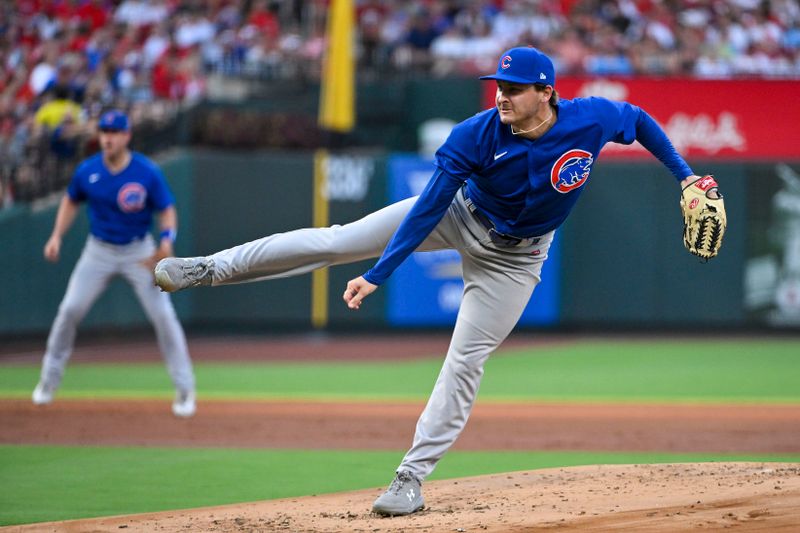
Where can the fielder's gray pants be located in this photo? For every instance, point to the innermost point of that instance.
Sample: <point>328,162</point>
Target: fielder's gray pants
<point>498,283</point>
<point>99,262</point>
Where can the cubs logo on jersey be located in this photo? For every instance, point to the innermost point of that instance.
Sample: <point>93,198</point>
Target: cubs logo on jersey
<point>571,170</point>
<point>131,197</point>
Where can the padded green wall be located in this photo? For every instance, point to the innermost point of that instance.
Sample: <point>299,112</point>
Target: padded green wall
<point>623,261</point>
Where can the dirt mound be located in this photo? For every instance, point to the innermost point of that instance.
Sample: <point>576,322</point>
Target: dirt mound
<point>653,498</point>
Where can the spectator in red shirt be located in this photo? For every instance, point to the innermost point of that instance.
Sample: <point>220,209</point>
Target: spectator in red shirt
<point>264,19</point>
<point>77,37</point>
<point>94,12</point>
<point>63,10</point>
<point>166,80</point>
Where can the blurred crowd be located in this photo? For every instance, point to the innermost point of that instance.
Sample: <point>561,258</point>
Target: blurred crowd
<point>695,38</point>
<point>63,61</point>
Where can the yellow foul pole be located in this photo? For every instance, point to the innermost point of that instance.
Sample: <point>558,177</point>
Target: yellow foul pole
<point>337,96</point>
<point>319,278</point>
<point>337,114</point>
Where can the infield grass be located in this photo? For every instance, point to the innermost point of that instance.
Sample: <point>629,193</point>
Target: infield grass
<point>741,371</point>
<point>47,483</point>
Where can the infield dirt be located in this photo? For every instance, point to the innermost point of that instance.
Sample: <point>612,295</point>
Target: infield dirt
<point>657,498</point>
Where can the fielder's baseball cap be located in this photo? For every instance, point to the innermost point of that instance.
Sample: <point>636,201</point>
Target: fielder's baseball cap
<point>524,65</point>
<point>113,120</point>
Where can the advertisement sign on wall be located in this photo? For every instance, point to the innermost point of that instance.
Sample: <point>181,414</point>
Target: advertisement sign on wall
<point>703,118</point>
<point>426,289</point>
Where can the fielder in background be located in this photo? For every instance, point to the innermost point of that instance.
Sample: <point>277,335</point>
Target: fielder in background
<point>505,180</point>
<point>123,189</point>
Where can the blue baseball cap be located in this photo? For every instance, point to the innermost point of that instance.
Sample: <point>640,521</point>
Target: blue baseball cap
<point>524,65</point>
<point>114,120</point>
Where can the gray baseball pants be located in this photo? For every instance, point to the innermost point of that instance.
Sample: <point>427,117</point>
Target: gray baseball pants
<point>99,263</point>
<point>498,283</point>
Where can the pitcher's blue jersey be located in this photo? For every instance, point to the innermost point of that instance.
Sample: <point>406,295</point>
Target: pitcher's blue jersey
<point>526,187</point>
<point>120,206</point>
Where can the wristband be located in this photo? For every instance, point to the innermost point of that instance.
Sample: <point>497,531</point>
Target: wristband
<point>170,234</point>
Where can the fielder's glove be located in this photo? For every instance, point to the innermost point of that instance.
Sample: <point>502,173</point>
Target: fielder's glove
<point>704,219</point>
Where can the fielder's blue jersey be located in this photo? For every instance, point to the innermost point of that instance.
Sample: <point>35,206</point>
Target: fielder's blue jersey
<point>527,188</point>
<point>120,206</point>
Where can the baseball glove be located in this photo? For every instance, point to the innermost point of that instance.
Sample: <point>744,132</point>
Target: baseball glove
<point>704,219</point>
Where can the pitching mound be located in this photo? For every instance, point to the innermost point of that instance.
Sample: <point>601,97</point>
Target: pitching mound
<point>670,497</point>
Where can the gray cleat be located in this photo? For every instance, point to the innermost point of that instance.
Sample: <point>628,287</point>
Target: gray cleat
<point>184,405</point>
<point>176,273</point>
<point>404,496</point>
<point>43,393</point>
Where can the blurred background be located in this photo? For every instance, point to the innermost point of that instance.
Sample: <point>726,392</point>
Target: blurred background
<point>270,115</point>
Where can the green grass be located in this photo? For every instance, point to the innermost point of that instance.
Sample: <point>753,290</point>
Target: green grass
<point>39,484</point>
<point>639,371</point>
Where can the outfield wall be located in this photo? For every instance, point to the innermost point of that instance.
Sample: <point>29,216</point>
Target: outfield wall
<point>620,261</point>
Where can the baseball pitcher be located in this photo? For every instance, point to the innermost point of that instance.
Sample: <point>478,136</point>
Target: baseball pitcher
<point>505,180</point>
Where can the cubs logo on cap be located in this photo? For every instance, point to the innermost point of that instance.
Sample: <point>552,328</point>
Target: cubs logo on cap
<point>113,120</point>
<point>524,65</point>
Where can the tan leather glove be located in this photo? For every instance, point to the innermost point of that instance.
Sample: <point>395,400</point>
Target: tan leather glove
<point>704,218</point>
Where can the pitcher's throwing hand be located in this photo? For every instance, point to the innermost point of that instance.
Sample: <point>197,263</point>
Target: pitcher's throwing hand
<point>357,290</point>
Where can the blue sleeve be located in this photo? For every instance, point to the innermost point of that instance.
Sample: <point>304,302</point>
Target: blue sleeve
<point>75,189</point>
<point>459,155</point>
<point>652,137</point>
<point>160,194</point>
<point>426,213</point>
<point>624,123</point>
